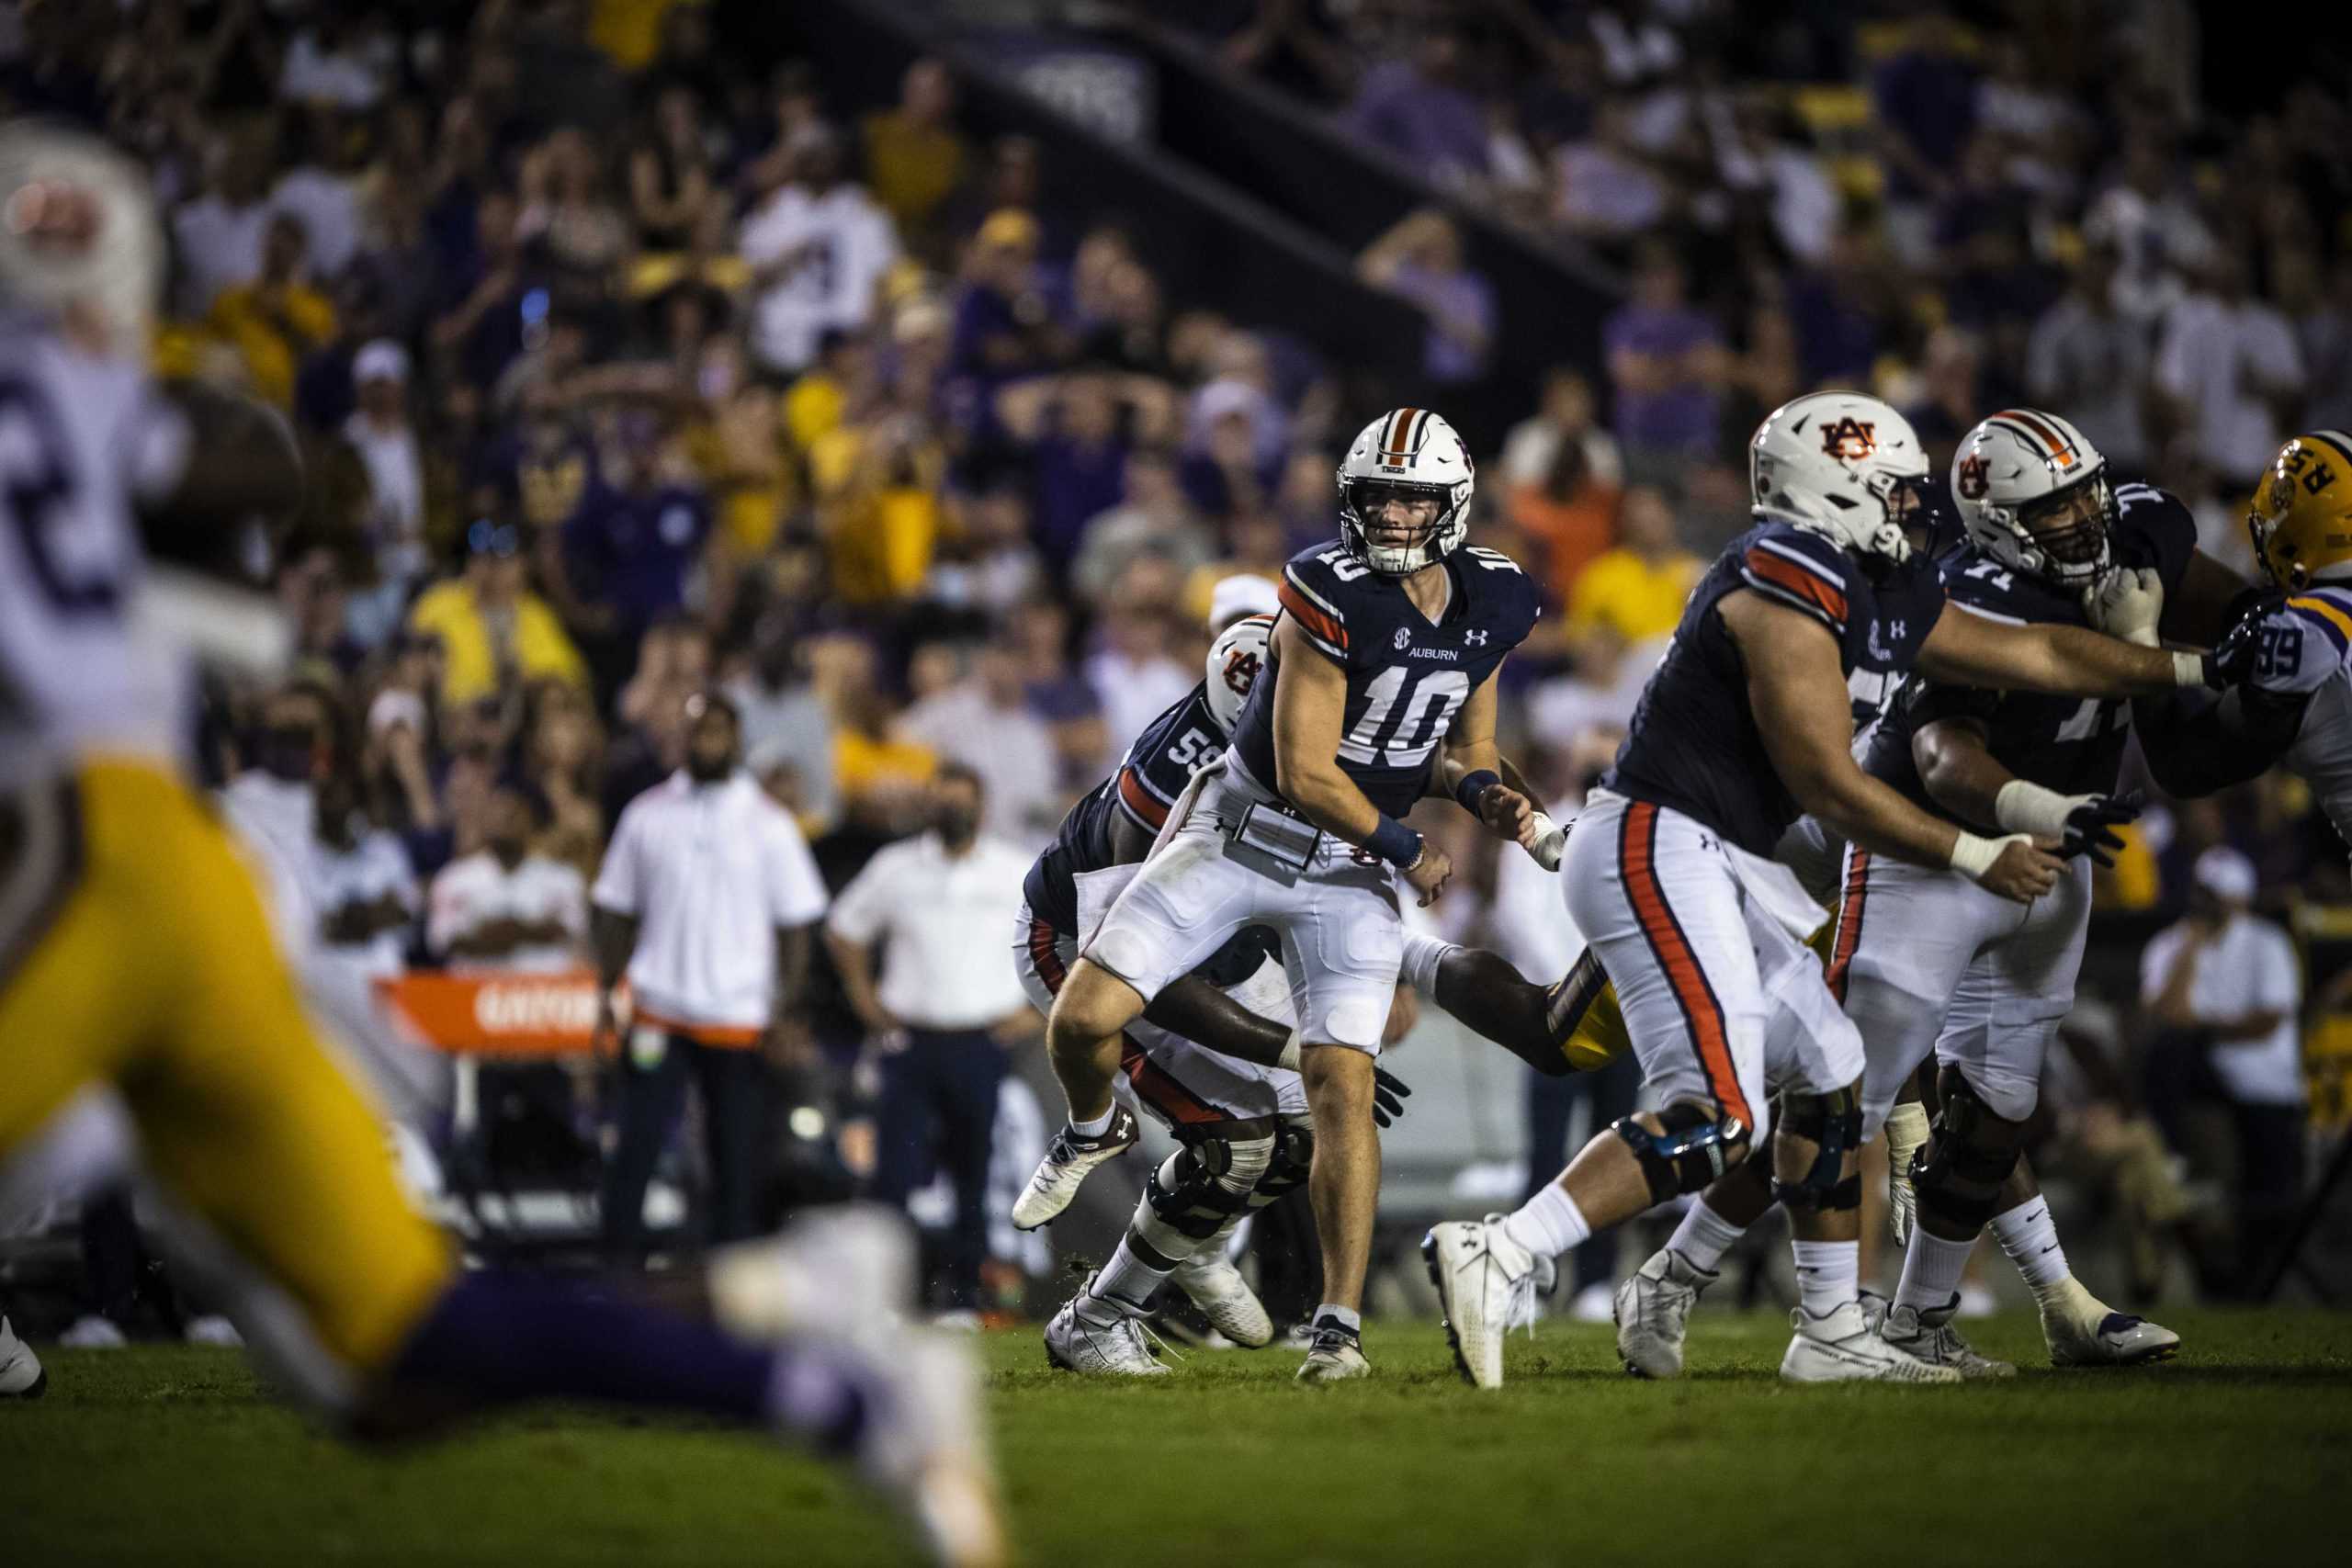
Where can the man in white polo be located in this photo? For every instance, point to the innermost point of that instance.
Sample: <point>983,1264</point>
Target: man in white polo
<point>705,898</point>
<point>947,1005</point>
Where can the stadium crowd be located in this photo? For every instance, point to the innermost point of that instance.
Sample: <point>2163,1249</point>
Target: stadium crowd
<point>628,368</point>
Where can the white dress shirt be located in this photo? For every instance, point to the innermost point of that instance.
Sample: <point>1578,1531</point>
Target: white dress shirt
<point>850,244</point>
<point>710,872</point>
<point>2250,967</point>
<point>940,920</point>
<point>471,892</point>
<point>377,863</point>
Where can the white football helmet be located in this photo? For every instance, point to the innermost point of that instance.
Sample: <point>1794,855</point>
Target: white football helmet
<point>78,226</point>
<point>2019,468</point>
<point>1834,463</point>
<point>1415,452</point>
<point>1233,663</point>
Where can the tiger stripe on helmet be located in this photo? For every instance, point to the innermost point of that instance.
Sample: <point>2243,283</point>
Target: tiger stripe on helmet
<point>1398,446</point>
<point>2337,439</point>
<point>2061,447</point>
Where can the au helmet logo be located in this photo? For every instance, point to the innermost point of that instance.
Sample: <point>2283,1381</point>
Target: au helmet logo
<point>1851,439</point>
<point>1969,479</point>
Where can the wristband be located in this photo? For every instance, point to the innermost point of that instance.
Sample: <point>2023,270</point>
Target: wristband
<point>1291,1048</point>
<point>1972,856</point>
<point>1393,843</point>
<point>2023,807</point>
<point>2188,670</point>
<point>1551,842</point>
<point>1473,786</point>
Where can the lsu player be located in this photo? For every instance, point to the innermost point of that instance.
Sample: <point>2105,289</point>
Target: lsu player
<point>1746,724</point>
<point>134,951</point>
<point>1925,961</point>
<point>1380,666</point>
<point>1215,1057</point>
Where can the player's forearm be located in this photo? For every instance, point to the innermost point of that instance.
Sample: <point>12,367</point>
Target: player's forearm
<point>1199,1011</point>
<point>2077,661</point>
<point>1872,816</point>
<point>614,936</point>
<point>1329,799</point>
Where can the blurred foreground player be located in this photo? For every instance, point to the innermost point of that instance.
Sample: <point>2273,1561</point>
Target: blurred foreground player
<point>134,951</point>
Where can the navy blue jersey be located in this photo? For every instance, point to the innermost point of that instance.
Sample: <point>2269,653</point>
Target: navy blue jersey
<point>1694,744</point>
<point>1155,772</point>
<point>1407,675</point>
<point>2072,745</point>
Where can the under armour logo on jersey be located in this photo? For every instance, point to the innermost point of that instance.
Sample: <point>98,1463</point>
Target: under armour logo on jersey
<point>1404,636</point>
<point>1476,639</point>
<point>1850,439</point>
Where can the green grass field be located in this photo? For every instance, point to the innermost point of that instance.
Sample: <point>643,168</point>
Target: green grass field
<point>2233,1453</point>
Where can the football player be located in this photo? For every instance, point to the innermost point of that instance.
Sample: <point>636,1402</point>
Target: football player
<point>1746,724</point>
<point>134,951</point>
<point>1385,651</point>
<point>1925,961</point>
<point>1215,1057</point>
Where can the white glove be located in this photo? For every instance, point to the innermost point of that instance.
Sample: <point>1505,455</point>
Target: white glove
<point>1907,1131</point>
<point>1548,841</point>
<point>2127,603</point>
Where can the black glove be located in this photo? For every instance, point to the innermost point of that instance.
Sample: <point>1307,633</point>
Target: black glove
<point>2233,662</point>
<point>2090,828</point>
<point>1388,1096</point>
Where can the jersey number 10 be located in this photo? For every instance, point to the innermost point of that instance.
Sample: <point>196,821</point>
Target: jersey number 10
<point>1421,717</point>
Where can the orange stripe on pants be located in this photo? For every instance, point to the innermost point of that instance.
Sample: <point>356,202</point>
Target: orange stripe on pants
<point>1850,921</point>
<point>1637,851</point>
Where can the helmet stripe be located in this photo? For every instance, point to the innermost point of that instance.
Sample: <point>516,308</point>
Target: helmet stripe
<point>1393,446</point>
<point>2058,445</point>
<point>2335,438</point>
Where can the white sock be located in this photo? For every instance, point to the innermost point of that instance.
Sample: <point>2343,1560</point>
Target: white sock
<point>1829,1274</point>
<point>1549,1224</point>
<point>1423,955</point>
<point>1347,1317</point>
<point>1123,1288</point>
<point>1931,1270</point>
<point>2030,1239</point>
<point>1094,1126</point>
<point>1703,1236</point>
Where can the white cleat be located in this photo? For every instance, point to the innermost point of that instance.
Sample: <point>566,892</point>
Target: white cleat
<point>1216,1287</point>
<point>1929,1337</point>
<point>926,1449</point>
<point>1487,1283</point>
<point>20,1374</point>
<point>1069,1159</point>
<point>91,1332</point>
<point>1335,1355</point>
<point>212,1329</point>
<point>2113,1340</point>
<point>848,1271</point>
<point>1653,1310</point>
<point>1094,1348</point>
<point>1842,1348</point>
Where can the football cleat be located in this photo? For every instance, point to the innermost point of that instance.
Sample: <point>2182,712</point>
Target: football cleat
<point>923,1446</point>
<point>1069,1159</point>
<point>848,1271</point>
<point>20,1371</point>
<point>1216,1287</point>
<point>1653,1309</point>
<point>91,1332</point>
<point>2115,1340</point>
<point>1929,1337</point>
<point>1842,1348</point>
<point>1096,1349</point>
<point>1335,1355</point>
<point>1487,1283</point>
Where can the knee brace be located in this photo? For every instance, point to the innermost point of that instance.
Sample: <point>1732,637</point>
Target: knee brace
<point>1692,1151</point>
<point>1832,1121</point>
<point>1293,1157</point>
<point>1200,1186</point>
<point>1957,1176</point>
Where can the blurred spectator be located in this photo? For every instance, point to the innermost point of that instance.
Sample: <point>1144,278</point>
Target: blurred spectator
<point>218,235</point>
<point>640,530</point>
<point>883,777</point>
<point>1925,98</point>
<point>1607,191</point>
<point>914,156</point>
<point>505,908</point>
<point>669,173</point>
<point>2321,308</point>
<point>817,246</point>
<point>1566,415</point>
<point>1132,673</point>
<point>1006,325</point>
<point>946,1006</point>
<point>2089,360</point>
<point>2154,229</point>
<point>368,900</point>
<point>2224,990</point>
<point>570,212</point>
<point>379,430</point>
<point>1421,260</point>
<point>277,319</point>
<point>323,189</point>
<point>1635,590</point>
<point>340,59</point>
<point>1665,360</point>
<point>1839,312</point>
<point>997,565</point>
<point>786,726</point>
<point>491,627</point>
<point>1570,512</point>
<point>983,723</point>
<point>2230,363</point>
<point>1420,109</point>
<point>1155,517</point>
<point>1078,429</point>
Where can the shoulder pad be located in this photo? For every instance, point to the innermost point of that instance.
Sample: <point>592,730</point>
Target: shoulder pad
<point>2306,640</point>
<point>1800,571</point>
<point>1315,591</point>
<point>1235,659</point>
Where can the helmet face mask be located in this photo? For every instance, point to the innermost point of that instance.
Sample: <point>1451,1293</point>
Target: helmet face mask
<point>1414,456</point>
<point>2033,494</point>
